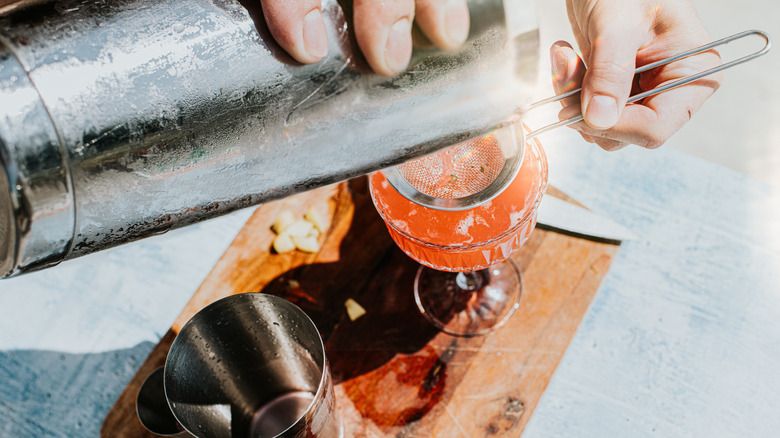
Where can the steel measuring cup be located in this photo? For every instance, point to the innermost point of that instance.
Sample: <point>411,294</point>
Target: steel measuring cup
<point>249,365</point>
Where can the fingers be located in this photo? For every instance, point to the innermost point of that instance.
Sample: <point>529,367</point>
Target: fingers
<point>298,27</point>
<point>444,22</point>
<point>383,30</point>
<point>654,121</point>
<point>607,83</point>
<point>568,71</point>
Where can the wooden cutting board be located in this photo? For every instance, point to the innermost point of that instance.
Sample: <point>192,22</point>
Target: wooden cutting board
<point>395,375</point>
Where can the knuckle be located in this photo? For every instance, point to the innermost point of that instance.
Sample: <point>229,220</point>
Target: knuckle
<point>653,141</point>
<point>610,72</point>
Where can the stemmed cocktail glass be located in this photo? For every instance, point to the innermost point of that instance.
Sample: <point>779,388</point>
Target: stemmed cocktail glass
<point>467,285</point>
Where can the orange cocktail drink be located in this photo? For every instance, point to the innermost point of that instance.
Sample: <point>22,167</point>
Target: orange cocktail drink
<point>466,240</point>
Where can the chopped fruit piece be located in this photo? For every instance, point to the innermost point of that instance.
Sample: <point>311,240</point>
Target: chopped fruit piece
<point>306,243</point>
<point>316,217</point>
<point>283,243</point>
<point>284,220</point>
<point>298,233</point>
<point>354,310</point>
<point>299,228</point>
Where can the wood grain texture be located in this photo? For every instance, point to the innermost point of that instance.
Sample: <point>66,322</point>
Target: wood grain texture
<point>395,375</point>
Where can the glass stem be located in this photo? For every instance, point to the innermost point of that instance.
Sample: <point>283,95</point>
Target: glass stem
<point>469,281</point>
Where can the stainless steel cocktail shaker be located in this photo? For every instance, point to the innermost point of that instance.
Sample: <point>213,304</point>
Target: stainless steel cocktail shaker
<point>124,119</point>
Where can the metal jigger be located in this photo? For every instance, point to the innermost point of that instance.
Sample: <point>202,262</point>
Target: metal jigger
<point>249,365</point>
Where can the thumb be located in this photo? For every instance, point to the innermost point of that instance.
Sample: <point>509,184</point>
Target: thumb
<point>609,78</point>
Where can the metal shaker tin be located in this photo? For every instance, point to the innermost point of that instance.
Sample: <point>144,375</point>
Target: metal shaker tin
<point>122,120</point>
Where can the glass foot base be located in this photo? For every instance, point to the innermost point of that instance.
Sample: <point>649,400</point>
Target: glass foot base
<point>471,303</point>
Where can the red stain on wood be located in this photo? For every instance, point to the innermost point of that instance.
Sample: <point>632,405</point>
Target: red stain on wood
<point>413,384</point>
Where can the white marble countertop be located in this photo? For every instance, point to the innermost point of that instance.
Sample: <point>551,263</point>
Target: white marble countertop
<point>683,338</point>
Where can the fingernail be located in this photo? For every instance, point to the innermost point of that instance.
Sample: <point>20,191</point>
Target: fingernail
<point>560,66</point>
<point>456,21</point>
<point>398,49</point>
<point>315,37</point>
<point>601,112</point>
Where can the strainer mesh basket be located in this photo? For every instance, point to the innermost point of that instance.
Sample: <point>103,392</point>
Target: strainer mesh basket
<point>458,171</point>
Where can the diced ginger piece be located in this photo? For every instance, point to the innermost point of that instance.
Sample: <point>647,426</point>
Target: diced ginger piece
<point>299,228</point>
<point>317,218</point>
<point>285,219</point>
<point>306,243</point>
<point>283,243</point>
<point>354,310</point>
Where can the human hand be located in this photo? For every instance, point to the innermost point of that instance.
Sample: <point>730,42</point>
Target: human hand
<point>615,37</point>
<point>383,29</point>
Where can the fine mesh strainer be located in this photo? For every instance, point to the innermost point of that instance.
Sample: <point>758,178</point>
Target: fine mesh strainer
<point>475,171</point>
<point>465,169</point>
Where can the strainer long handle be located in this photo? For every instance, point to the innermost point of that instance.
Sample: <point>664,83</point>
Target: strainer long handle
<point>666,87</point>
